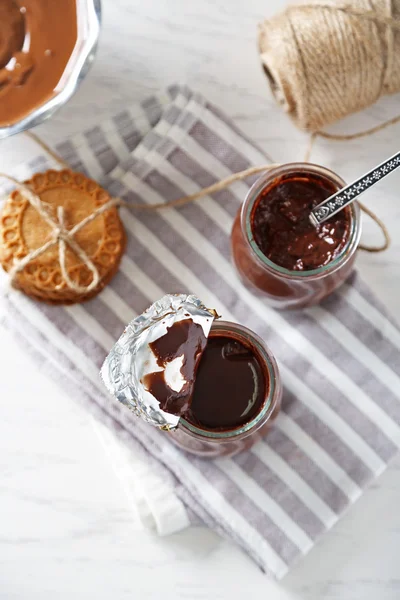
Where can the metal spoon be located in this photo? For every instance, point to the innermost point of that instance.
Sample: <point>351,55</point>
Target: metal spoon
<point>348,194</point>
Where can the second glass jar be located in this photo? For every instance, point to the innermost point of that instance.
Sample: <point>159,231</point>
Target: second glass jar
<point>281,287</point>
<point>211,442</point>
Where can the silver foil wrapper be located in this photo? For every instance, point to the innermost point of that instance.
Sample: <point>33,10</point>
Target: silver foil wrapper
<point>131,357</point>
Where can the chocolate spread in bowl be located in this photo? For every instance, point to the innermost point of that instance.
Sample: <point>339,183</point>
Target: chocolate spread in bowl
<point>37,38</point>
<point>12,31</point>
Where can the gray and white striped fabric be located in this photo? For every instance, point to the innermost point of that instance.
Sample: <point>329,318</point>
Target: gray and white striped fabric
<point>340,361</point>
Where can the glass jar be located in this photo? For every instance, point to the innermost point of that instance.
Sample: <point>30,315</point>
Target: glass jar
<point>281,287</point>
<point>211,443</point>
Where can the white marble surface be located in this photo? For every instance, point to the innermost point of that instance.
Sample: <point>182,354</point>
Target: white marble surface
<point>66,528</point>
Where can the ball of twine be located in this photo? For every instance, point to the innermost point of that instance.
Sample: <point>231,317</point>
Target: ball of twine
<point>326,60</point>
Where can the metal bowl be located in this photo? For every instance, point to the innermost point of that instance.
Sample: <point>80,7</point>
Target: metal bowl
<point>89,20</point>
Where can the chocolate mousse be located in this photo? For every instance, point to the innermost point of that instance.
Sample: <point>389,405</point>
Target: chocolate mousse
<point>37,38</point>
<point>282,229</point>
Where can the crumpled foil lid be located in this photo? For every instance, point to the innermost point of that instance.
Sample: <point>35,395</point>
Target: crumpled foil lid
<point>131,358</point>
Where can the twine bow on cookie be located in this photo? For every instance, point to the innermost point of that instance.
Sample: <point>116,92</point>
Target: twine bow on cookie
<point>61,236</point>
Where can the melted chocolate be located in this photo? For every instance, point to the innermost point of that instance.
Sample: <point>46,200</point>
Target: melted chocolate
<point>184,338</point>
<point>12,31</point>
<point>230,385</point>
<point>37,38</point>
<point>282,229</point>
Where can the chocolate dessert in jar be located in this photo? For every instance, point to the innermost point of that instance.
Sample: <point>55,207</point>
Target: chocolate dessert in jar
<point>236,397</point>
<point>278,253</point>
<point>212,386</point>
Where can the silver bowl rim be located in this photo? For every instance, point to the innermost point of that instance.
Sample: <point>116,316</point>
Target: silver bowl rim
<point>46,110</point>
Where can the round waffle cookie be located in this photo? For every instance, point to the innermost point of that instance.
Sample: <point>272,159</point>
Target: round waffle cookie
<point>23,229</point>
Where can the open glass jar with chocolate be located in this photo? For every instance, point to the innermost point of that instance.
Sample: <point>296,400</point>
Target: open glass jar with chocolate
<point>278,252</point>
<point>212,385</point>
<point>236,396</point>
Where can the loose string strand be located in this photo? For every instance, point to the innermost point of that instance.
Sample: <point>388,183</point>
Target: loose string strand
<point>211,189</point>
<point>216,187</point>
<point>35,138</point>
<point>359,134</point>
<point>381,224</point>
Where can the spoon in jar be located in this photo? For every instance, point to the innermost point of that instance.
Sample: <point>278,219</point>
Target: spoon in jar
<point>348,194</point>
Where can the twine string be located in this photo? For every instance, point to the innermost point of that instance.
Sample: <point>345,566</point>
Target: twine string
<point>211,189</point>
<point>63,237</point>
<point>386,243</point>
<point>368,15</point>
<point>326,60</point>
<point>49,151</point>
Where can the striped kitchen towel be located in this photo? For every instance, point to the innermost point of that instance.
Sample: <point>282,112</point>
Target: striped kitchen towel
<point>340,361</point>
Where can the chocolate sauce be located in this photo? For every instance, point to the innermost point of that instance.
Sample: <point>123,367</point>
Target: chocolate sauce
<point>230,385</point>
<point>183,339</point>
<point>282,229</point>
<point>12,31</point>
<point>37,38</point>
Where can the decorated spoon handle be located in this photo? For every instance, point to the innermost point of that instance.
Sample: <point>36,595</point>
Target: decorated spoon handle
<point>348,194</point>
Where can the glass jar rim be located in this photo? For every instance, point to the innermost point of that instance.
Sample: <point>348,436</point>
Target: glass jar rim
<point>264,355</point>
<point>287,169</point>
